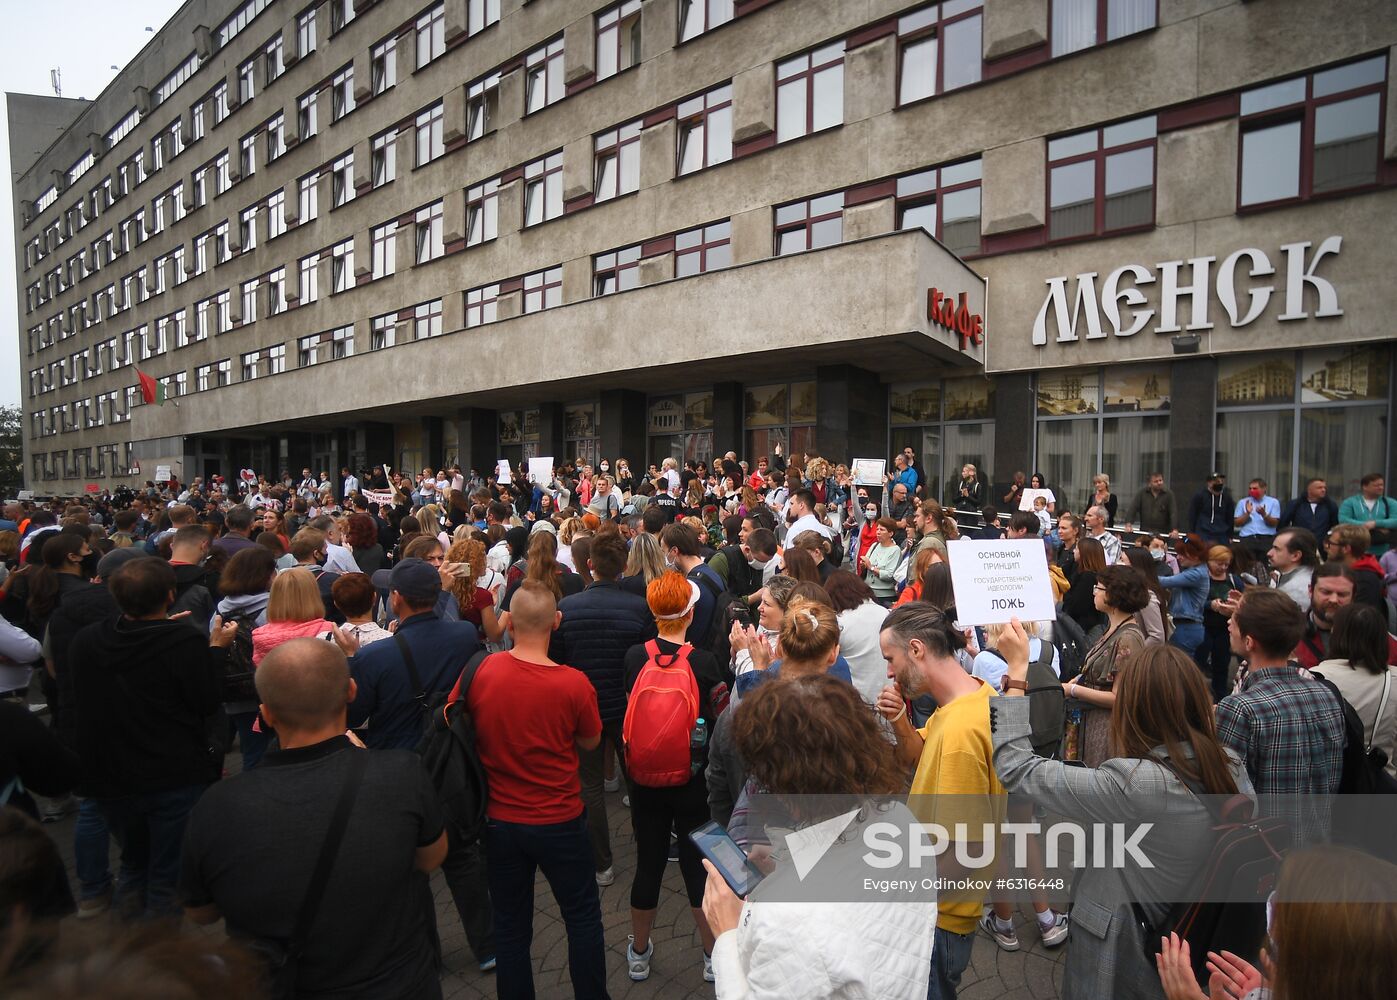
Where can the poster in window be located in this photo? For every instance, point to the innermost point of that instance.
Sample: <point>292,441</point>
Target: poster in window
<point>698,412</point>
<point>1344,374</point>
<point>969,398</point>
<point>580,420</point>
<point>1136,390</point>
<point>803,403</point>
<point>531,425</point>
<point>1068,393</point>
<point>915,403</point>
<point>1256,379</point>
<point>666,415</point>
<point>510,430</point>
<point>765,405</point>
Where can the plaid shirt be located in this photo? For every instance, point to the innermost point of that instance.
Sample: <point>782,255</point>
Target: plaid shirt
<point>1289,730</point>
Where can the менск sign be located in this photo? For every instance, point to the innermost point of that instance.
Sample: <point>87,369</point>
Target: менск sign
<point>1117,298</point>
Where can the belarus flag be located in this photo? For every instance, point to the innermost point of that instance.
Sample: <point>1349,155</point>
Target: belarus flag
<point>151,390</point>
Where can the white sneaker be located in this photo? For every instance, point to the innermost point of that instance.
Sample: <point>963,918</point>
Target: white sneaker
<point>611,784</point>
<point>1055,934</point>
<point>1007,940</point>
<point>638,966</point>
<point>626,801</point>
<point>708,976</point>
<point>606,877</point>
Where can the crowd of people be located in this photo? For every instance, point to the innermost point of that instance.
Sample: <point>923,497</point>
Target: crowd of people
<point>229,681</point>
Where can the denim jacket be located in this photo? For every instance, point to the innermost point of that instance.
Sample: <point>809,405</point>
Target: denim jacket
<point>1190,589</point>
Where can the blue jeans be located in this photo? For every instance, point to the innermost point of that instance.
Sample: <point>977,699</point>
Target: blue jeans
<point>252,745</point>
<point>950,955</point>
<point>92,851</point>
<point>149,827</point>
<point>564,852</point>
<point>1187,636</point>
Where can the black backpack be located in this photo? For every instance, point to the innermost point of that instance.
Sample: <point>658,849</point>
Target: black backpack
<point>1071,644</point>
<point>447,749</point>
<point>237,685</point>
<point>727,607</point>
<point>1226,908</point>
<point>1047,706</point>
<point>1364,773</point>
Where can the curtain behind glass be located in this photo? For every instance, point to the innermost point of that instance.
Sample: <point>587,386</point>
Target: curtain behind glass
<point>1067,458</point>
<point>1132,449</point>
<point>1257,445</point>
<point>973,443</point>
<point>1341,445</point>
<point>1125,17</point>
<point>1074,25</point>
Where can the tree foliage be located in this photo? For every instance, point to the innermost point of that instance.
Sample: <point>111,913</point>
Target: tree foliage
<point>11,451</point>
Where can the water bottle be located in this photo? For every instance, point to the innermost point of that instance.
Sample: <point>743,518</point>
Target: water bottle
<point>698,739</point>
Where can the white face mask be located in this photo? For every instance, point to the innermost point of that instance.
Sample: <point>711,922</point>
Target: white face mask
<point>605,467</point>
<point>1157,555</point>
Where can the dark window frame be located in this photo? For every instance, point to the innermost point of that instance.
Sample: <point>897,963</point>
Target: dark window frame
<point>1099,156</point>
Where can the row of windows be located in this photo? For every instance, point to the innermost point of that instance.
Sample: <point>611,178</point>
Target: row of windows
<point>79,463</point>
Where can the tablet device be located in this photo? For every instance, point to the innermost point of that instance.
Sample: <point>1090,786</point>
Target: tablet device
<point>714,844</point>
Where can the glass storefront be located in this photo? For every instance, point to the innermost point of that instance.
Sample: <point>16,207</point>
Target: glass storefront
<point>947,423</point>
<point>680,426</point>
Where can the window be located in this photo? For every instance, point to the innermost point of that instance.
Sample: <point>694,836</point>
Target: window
<point>383,331</point>
<point>306,116</point>
<point>305,32</point>
<point>221,179</point>
<point>616,271</point>
<point>431,35</point>
<point>342,180</point>
<point>177,258</point>
<point>201,253</point>
<point>384,158</point>
<point>203,378</point>
<point>223,303</point>
<point>201,187</point>
<point>543,189</point>
<point>310,279</point>
<point>426,320</point>
<point>939,49</point>
<point>706,248</point>
<point>482,106</point>
<point>249,364</point>
<point>177,211</point>
<point>342,93</point>
<point>698,16</point>
<point>1101,180</point>
<point>429,233</point>
<point>543,83</point>
<point>945,202</point>
<point>383,65</point>
<point>481,14</point>
<point>220,243</point>
<point>705,130</point>
<point>430,144</point>
<point>276,214</point>
<point>482,212</point>
<point>1080,24</point>
<point>384,241</point>
<point>276,137</point>
<point>307,350</point>
<point>276,359</point>
<point>166,88</point>
<point>811,224</point>
<point>220,103</point>
<point>341,13</point>
<point>241,18</point>
<point>157,217</point>
<point>617,161</point>
<point>309,199</point>
<point>342,267</point>
<point>810,92</point>
<point>276,292</point>
<point>276,65</point>
<point>341,342</point>
<point>247,228</point>
<point>120,131</point>
<point>196,121</point>
<point>249,302</point>
<point>247,81</point>
<point>543,290</point>
<point>1313,134</point>
<point>618,39</point>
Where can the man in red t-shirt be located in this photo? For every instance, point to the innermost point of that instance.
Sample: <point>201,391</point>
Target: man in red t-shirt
<point>531,716</point>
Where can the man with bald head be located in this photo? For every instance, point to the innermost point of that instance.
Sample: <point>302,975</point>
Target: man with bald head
<point>254,840</point>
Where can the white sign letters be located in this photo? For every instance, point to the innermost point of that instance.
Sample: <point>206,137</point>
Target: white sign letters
<point>1125,307</point>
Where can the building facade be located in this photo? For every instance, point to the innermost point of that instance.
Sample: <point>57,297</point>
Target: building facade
<point>1058,235</point>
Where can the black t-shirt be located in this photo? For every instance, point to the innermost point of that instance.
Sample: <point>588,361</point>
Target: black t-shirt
<point>252,843</point>
<point>666,503</point>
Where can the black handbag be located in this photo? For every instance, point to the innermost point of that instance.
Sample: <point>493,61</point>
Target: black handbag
<point>281,959</point>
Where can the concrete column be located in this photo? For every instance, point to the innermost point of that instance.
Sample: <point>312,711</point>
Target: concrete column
<point>1015,407</point>
<point>754,103</point>
<point>324,197</point>
<point>853,411</point>
<point>290,52</point>
<point>577,168</point>
<point>456,18</point>
<point>1014,25</point>
<point>453,126</point>
<point>363,254</point>
<point>234,91</point>
<point>363,75</point>
<point>728,402</point>
<point>378,443</point>
<point>657,22</point>
<point>870,79</point>
<point>511,208</point>
<point>363,164</point>
<point>1192,419</point>
<point>432,446</point>
<point>751,235</point>
<point>656,269</point>
<point>870,219</point>
<point>291,117</point>
<point>453,312</point>
<point>551,430</point>
<point>577,279</point>
<point>621,423</point>
<point>453,216</point>
<point>477,431</point>
<point>579,49</point>
<point>292,209</point>
<point>657,153</point>
<point>1014,187</point>
<point>404,249</point>
<point>511,102</point>
<point>405,153</point>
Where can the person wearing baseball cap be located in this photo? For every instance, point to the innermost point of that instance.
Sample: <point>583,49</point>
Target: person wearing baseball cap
<point>1210,511</point>
<point>394,681</point>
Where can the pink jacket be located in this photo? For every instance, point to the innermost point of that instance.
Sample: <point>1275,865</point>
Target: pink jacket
<point>268,637</point>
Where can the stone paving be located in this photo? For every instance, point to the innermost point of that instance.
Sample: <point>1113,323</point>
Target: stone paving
<point>1032,973</point>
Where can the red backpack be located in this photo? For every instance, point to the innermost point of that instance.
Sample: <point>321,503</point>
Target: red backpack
<point>660,719</point>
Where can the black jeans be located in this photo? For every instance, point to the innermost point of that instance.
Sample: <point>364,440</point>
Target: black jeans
<point>654,811</point>
<point>1214,658</point>
<point>465,872</point>
<point>590,770</point>
<point>149,827</point>
<point>516,852</point>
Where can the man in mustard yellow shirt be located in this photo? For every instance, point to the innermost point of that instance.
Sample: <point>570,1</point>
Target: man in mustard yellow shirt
<point>955,775</point>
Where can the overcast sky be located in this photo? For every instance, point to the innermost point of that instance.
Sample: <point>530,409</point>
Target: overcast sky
<point>85,39</point>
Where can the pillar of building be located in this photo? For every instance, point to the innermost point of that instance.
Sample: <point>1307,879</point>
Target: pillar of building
<point>551,439</point>
<point>621,426</point>
<point>852,412</point>
<point>377,444</point>
<point>1192,408</point>
<point>477,434</point>
<point>296,454</point>
<point>432,443</point>
<point>727,419</point>
<point>1014,412</point>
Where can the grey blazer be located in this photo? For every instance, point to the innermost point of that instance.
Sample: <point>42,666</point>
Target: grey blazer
<point>1107,956</point>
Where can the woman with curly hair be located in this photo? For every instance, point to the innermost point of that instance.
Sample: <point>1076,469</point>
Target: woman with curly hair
<point>361,535</point>
<point>477,603</point>
<point>812,744</point>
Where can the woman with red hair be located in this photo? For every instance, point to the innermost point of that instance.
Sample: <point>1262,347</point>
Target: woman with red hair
<point>361,535</point>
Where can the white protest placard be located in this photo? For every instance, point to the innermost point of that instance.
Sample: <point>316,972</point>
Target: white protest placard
<point>1001,579</point>
<point>869,471</point>
<point>1027,497</point>
<point>380,497</point>
<point>541,470</point>
<point>162,473</point>
<point>502,473</point>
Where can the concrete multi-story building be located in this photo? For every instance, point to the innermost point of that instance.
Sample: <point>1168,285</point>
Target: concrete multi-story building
<point>360,232</point>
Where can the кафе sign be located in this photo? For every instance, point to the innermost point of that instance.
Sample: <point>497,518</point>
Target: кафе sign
<point>1126,311</point>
